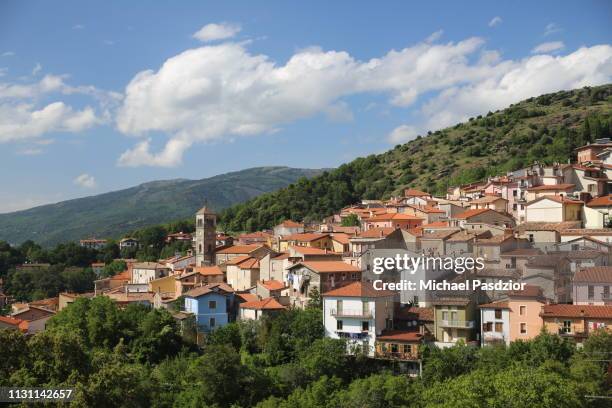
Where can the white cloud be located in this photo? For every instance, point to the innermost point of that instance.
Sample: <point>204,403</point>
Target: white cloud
<point>433,37</point>
<point>85,180</point>
<point>3,71</point>
<point>30,151</point>
<point>37,68</point>
<point>214,32</point>
<point>551,28</point>
<point>513,81</point>
<point>8,54</point>
<point>223,91</point>
<point>495,21</point>
<point>548,47</point>
<point>403,134</point>
<point>78,27</point>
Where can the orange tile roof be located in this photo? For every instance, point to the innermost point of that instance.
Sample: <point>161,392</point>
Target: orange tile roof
<point>487,199</point>
<point>359,289</point>
<point>263,304</point>
<point>603,201</point>
<point>238,259</point>
<point>427,209</point>
<point>305,237</point>
<point>310,250</point>
<point>394,217</point>
<point>471,213</point>
<point>291,224</point>
<point>247,297</point>
<point>208,270</point>
<point>215,287</point>
<point>397,335</point>
<point>409,192</point>
<point>589,311</point>
<point>495,305</point>
<point>340,237</point>
<point>532,291</point>
<point>10,320</point>
<point>376,232</point>
<point>552,187</point>
<point>272,285</point>
<point>436,224</point>
<point>239,249</point>
<point>257,234</point>
<point>329,266</point>
<point>244,262</point>
<point>596,274</point>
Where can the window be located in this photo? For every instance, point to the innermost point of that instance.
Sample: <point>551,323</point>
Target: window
<point>365,308</point>
<point>530,237</point>
<point>444,315</point>
<point>606,292</point>
<point>591,292</point>
<point>212,304</point>
<point>498,313</point>
<point>499,327</point>
<point>394,348</point>
<point>567,326</point>
<point>339,306</point>
<point>522,310</point>
<point>407,349</point>
<point>523,328</point>
<point>212,322</point>
<point>487,327</point>
<point>338,324</point>
<point>365,326</point>
<point>415,301</point>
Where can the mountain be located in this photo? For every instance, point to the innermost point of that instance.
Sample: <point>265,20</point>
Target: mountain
<point>546,128</point>
<point>119,212</point>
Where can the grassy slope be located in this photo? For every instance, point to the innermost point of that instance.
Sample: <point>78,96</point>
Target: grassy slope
<point>118,212</point>
<point>546,128</point>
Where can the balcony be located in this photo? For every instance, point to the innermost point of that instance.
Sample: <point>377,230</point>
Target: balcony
<point>390,355</point>
<point>459,324</point>
<point>355,314</point>
<point>353,336</point>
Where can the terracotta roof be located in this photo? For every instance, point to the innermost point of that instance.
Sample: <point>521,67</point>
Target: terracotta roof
<point>552,187</point>
<point>238,259</point>
<point>239,249</point>
<point>247,297</point>
<point>410,192</point>
<point>427,209</point>
<point>531,291</point>
<point>263,304</point>
<point>208,270</point>
<point>394,217</point>
<point>397,335</point>
<point>545,260</point>
<point>377,232</point>
<point>359,289</point>
<point>596,274</point>
<point>548,226</point>
<point>523,252</point>
<point>257,234</point>
<point>329,266</point>
<point>495,305</point>
<point>588,311</point>
<point>204,210</point>
<point>340,237</point>
<point>215,287</point>
<point>272,285</point>
<point>290,224</point>
<point>603,201</point>
<point>305,237</point>
<point>587,231</point>
<point>425,314</point>
<point>471,213</point>
<point>10,321</point>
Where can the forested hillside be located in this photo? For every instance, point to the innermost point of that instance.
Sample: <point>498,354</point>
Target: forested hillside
<point>545,129</point>
<point>113,214</point>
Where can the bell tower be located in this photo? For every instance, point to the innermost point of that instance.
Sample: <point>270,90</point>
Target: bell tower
<point>205,238</point>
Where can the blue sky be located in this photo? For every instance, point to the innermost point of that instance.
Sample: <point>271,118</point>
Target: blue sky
<point>97,96</point>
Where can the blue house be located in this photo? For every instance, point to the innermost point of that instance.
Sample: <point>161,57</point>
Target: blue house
<point>212,305</point>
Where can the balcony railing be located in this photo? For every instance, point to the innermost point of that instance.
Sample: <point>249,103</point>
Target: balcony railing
<point>390,355</point>
<point>461,324</point>
<point>357,314</point>
<point>353,336</point>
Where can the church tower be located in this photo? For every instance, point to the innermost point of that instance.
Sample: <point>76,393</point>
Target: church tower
<point>205,239</point>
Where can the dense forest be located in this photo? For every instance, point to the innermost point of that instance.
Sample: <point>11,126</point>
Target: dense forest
<point>545,129</point>
<point>137,357</point>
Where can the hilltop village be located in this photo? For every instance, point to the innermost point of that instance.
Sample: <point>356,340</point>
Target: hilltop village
<point>546,226</point>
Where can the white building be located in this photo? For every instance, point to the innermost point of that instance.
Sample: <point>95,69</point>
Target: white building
<point>358,313</point>
<point>145,272</point>
<point>495,318</point>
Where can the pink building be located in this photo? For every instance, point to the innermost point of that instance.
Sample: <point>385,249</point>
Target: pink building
<point>393,220</point>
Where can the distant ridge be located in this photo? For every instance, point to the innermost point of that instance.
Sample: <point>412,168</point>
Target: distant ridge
<point>118,212</point>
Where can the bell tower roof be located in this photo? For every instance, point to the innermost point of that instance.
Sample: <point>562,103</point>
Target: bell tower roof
<point>205,210</point>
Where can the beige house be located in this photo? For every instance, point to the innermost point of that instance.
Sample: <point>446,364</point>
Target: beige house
<point>492,202</point>
<point>235,251</point>
<point>254,310</point>
<point>242,272</point>
<point>553,208</point>
<point>145,272</point>
<point>576,321</point>
<point>591,286</point>
<point>563,190</point>
<point>482,215</point>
